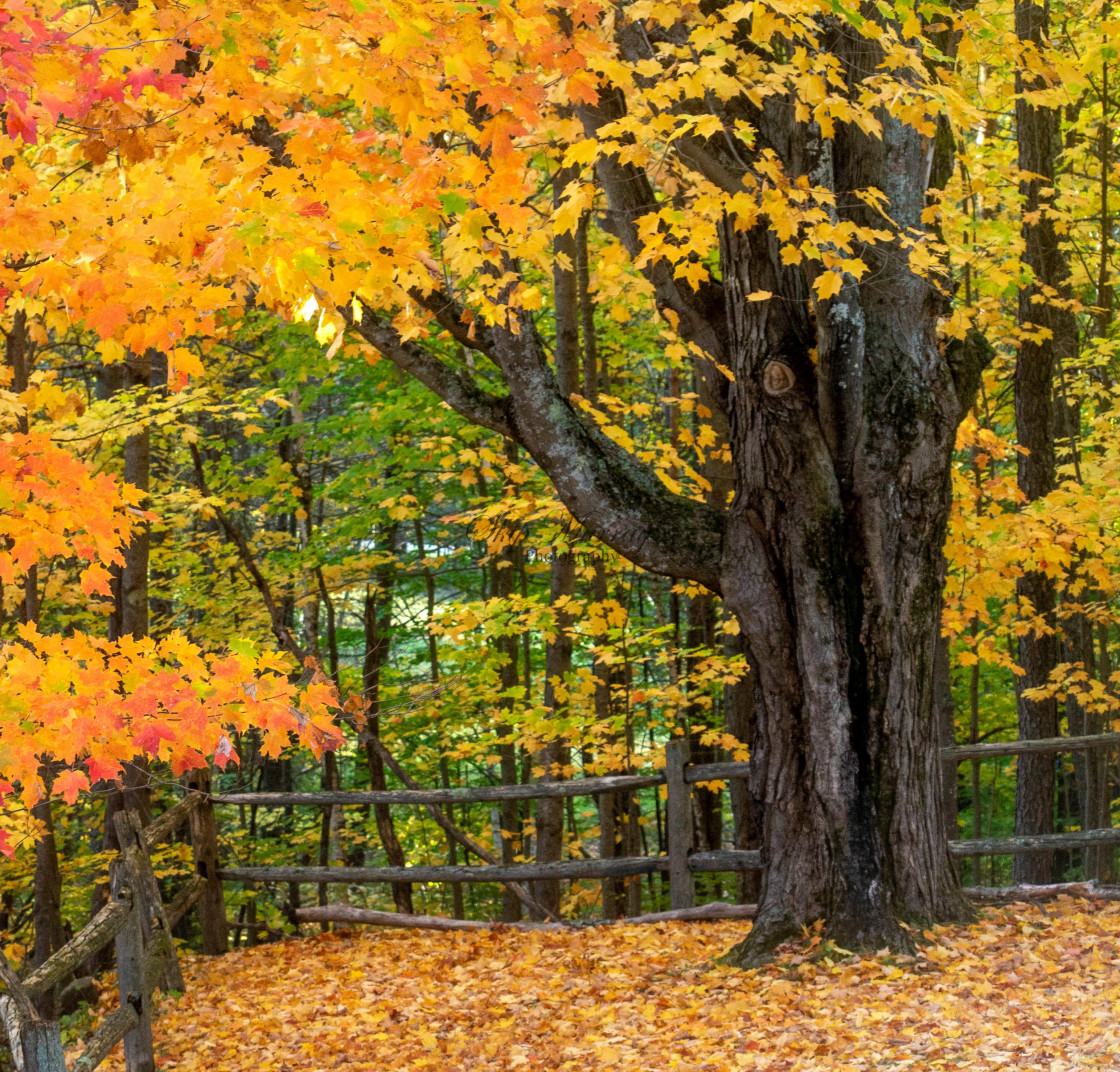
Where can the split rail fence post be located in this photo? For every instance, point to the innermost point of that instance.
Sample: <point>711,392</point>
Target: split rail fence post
<point>148,901</point>
<point>36,1044</point>
<point>204,842</point>
<point>608,849</point>
<point>139,1055</point>
<point>678,824</point>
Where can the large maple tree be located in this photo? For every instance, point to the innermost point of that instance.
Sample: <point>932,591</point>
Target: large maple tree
<point>421,174</point>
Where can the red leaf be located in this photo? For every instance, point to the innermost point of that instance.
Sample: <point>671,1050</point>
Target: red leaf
<point>103,769</point>
<point>166,83</point>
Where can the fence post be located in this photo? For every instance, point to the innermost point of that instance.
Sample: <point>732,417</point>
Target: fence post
<point>204,842</point>
<point>138,1053</point>
<point>608,849</point>
<point>678,824</point>
<point>36,1044</point>
<point>147,899</point>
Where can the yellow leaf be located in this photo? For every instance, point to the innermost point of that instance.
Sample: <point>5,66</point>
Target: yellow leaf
<point>828,284</point>
<point>111,351</point>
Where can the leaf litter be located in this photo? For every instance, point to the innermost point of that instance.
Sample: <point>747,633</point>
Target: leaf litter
<point>1025,988</point>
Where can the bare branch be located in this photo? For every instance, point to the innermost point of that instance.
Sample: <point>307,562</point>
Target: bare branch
<point>234,535</point>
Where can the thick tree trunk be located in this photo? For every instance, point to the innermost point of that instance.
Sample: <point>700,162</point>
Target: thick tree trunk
<point>833,566</point>
<point>841,418</point>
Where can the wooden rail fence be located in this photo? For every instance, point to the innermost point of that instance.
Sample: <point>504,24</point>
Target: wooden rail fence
<point>680,863</point>
<point>140,924</point>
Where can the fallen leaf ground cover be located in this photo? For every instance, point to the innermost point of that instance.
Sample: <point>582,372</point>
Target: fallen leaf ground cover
<point>1025,988</point>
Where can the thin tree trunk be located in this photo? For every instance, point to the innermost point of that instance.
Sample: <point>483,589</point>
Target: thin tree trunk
<point>558,650</point>
<point>457,909</point>
<point>47,889</point>
<point>377,621</point>
<point>47,914</point>
<point>558,666</point>
<point>1038,133</point>
<point>708,815</point>
<point>608,804</point>
<point>503,574</point>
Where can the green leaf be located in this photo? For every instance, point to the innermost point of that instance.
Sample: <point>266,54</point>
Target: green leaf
<point>453,203</point>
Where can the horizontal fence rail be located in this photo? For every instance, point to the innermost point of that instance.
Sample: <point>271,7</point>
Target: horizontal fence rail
<point>1010,846</point>
<point>1013,846</point>
<point>482,794</point>
<point>486,794</point>
<point>715,772</point>
<point>995,749</point>
<point>618,867</point>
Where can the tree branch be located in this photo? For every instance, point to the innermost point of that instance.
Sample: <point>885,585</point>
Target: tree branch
<point>449,315</point>
<point>699,313</point>
<point>608,491</point>
<point>968,358</point>
<point>460,392</point>
<point>614,496</point>
<point>233,534</point>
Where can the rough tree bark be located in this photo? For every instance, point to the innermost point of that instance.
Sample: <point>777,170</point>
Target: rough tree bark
<point>830,553</point>
<point>1040,354</point>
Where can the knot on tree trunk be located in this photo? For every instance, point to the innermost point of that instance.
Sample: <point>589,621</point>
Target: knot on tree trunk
<point>777,378</point>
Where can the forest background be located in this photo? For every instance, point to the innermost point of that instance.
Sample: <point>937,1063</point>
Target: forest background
<point>294,490</point>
